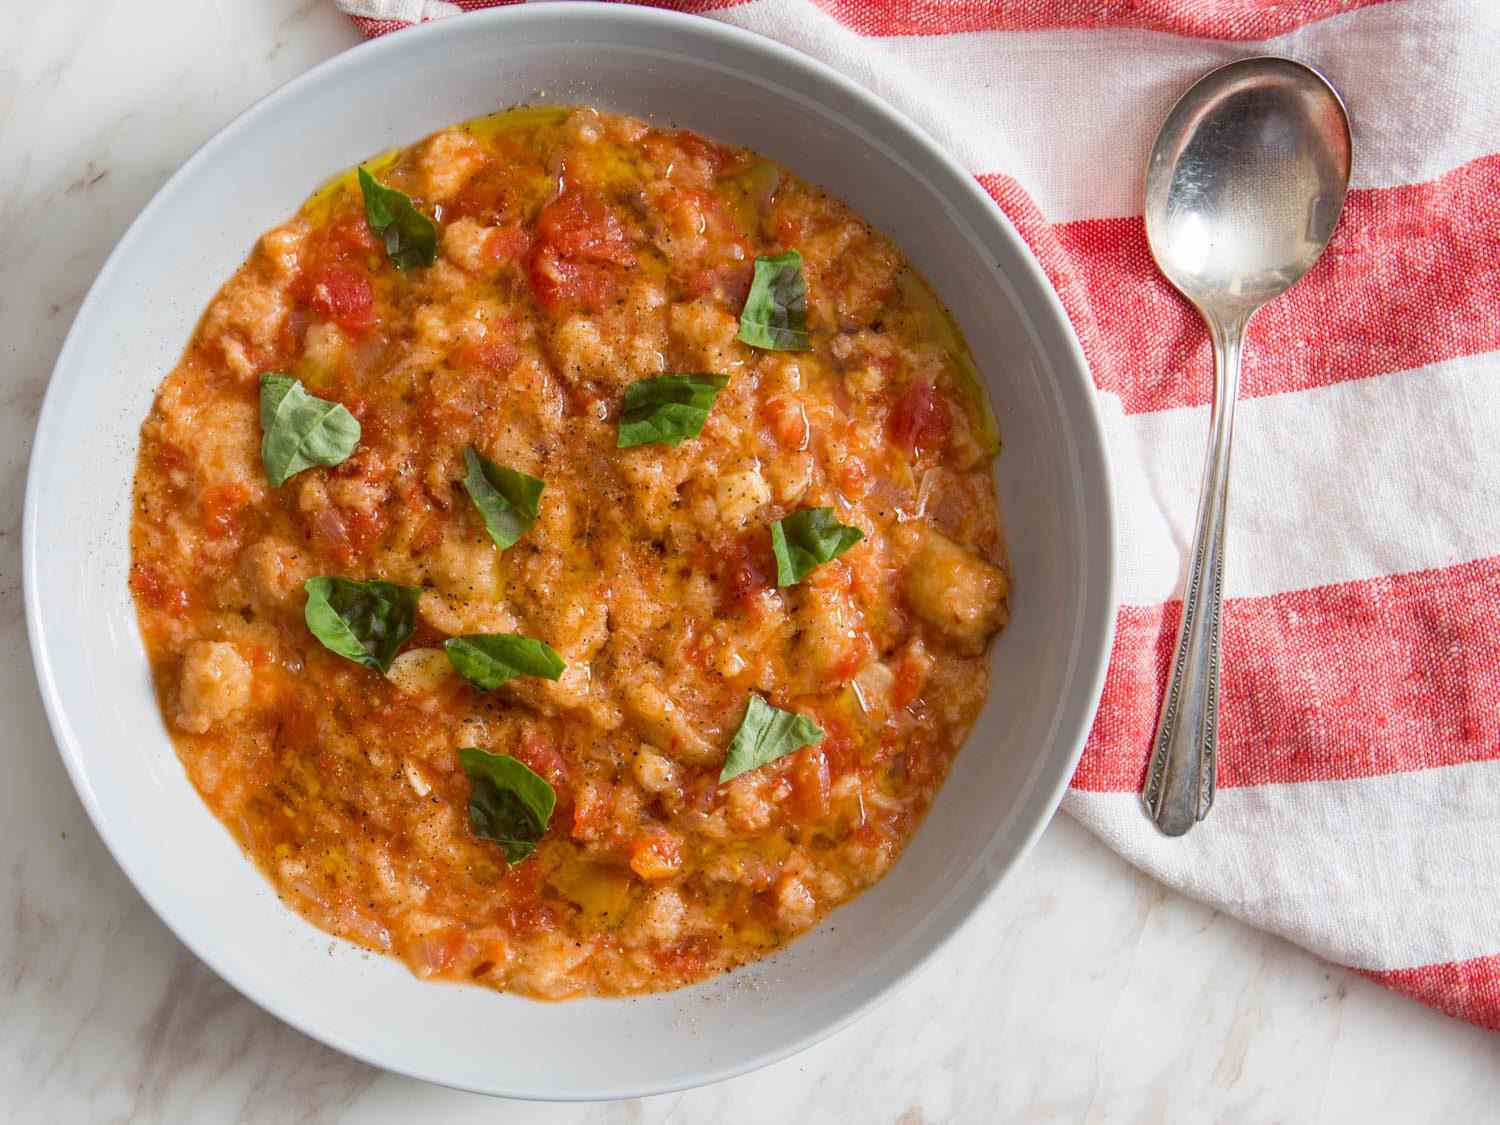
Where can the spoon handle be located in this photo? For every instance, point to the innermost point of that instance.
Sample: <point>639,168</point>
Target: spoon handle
<point>1184,760</point>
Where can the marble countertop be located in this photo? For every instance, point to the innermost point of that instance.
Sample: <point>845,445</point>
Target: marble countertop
<point>1083,992</point>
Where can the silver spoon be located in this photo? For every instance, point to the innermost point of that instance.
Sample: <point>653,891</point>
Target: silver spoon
<point>1243,190</point>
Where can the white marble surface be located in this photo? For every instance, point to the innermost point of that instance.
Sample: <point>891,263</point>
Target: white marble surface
<point>1084,992</point>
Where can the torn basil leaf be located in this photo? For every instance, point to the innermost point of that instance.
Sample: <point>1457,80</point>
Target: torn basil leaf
<point>505,498</point>
<point>767,733</point>
<point>805,540</point>
<point>410,236</point>
<point>365,622</point>
<point>775,312</point>
<point>488,660</point>
<point>299,430</point>
<point>668,408</point>
<point>508,803</point>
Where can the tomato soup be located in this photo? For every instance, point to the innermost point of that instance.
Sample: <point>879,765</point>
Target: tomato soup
<point>567,553</point>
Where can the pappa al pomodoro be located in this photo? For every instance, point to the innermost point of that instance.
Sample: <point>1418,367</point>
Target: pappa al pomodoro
<point>567,553</point>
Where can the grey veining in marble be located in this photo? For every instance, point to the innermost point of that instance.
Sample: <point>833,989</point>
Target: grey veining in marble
<point>1085,993</point>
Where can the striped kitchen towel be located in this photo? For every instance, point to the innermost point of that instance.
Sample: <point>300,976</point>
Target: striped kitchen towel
<point>1358,811</point>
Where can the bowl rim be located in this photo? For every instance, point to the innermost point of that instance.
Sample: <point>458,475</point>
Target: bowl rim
<point>1087,431</point>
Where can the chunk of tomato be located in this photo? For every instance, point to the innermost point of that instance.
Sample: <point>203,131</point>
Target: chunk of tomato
<point>487,195</point>
<point>786,418</point>
<point>746,567</point>
<point>349,236</point>
<point>557,281</point>
<point>506,244</point>
<point>712,156</point>
<point>580,243</point>
<point>344,296</point>
<point>494,354</point>
<point>919,419</point>
<point>656,855</point>
<point>497,355</point>
<point>363,526</point>
<point>580,226</point>
<point>537,753</point>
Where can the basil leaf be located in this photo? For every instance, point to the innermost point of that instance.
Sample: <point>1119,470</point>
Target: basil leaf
<point>668,408</point>
<point>410,236</point>
<point>805,540</point>
<point>508,803</point>
<point>363,621</point>
<point>775,312</point>
<point>300,430</point>
<point>505,498</point>
<point>487,660</point>
<point>765,734</point>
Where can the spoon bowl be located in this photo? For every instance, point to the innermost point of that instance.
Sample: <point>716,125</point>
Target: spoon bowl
<point>1243,191</point>
<point>1246,181</point>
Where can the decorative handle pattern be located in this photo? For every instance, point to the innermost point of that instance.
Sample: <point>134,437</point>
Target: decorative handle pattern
<point>1181,778</point>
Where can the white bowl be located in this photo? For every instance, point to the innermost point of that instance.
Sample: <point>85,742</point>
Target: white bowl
<point>1054,487</point>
